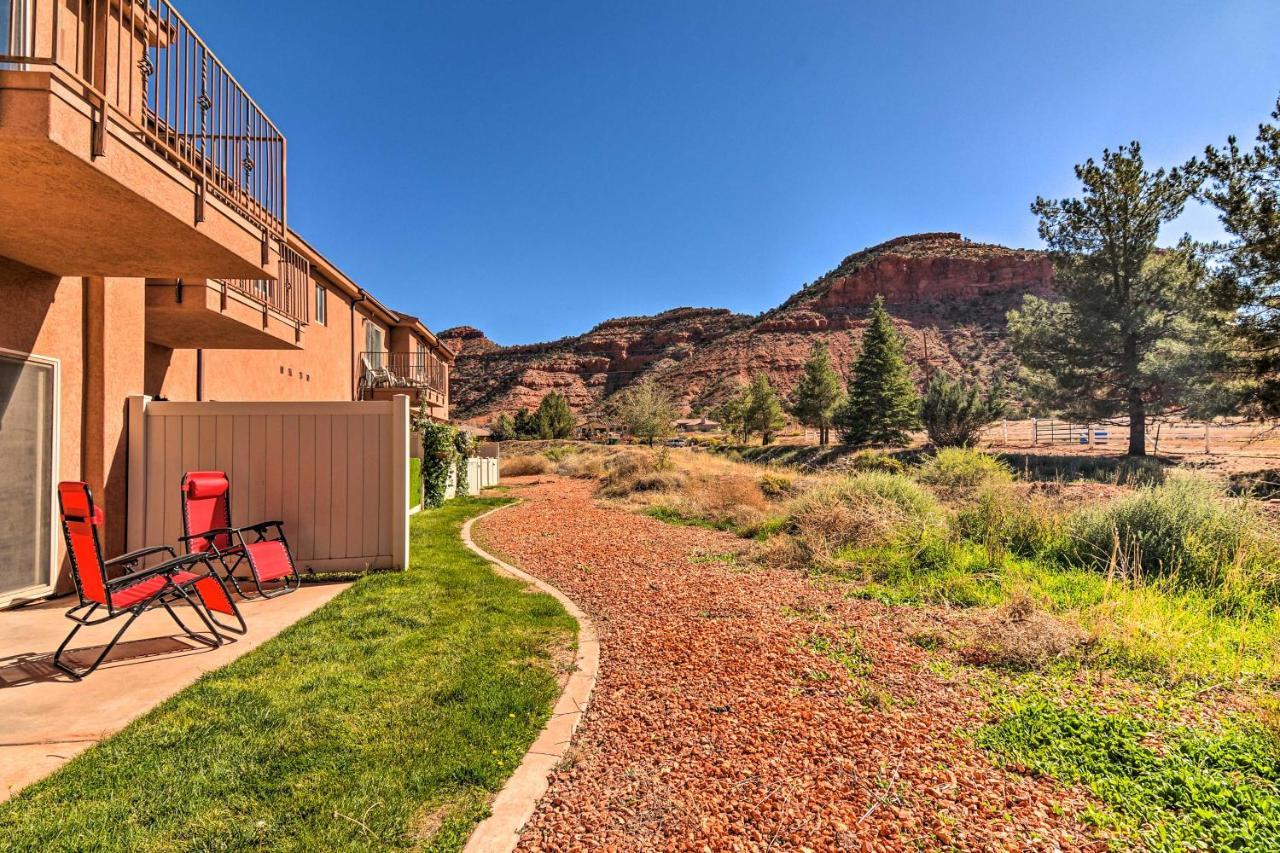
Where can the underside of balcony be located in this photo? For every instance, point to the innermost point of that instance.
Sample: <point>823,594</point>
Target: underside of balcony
<point>209,314</point>
<point>128,211</point>
<point>418,397</point>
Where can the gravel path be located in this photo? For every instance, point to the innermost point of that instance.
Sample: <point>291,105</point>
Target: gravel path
<point>734,711</point>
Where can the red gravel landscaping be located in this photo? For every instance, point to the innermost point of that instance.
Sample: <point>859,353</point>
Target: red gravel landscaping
<point>742,708</point>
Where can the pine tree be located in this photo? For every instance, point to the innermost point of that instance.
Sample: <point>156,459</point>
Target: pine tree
<point>819,393</point>
<point>503,429</point>
<point>954,412</point>
<point>1132,333</point>
<point>731,414</point>
<point>554,417</point>
<point>883,404</point>
<point>525,425</point>
<point>1244,185</point>
<point>762,411</point>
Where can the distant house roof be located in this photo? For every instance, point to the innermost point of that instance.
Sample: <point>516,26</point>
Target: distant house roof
<point>697,422</point>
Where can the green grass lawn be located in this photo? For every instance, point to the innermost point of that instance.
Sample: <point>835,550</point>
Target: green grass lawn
<point>383,720</point>
<point>415,482</point>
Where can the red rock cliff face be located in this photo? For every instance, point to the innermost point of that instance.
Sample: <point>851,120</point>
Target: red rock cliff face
<point>467,339</point>
<point>903,279</point>
<point>586,368</point>
<point>948,297</point>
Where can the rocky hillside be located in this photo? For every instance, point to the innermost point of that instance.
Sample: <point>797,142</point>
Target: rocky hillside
<point>948,297</point>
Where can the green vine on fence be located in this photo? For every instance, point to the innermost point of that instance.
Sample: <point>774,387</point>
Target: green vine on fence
<point>464,446</point>
<point>439,453</point>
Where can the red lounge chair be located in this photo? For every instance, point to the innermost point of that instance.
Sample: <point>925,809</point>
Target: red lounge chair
<point>206,523</point>
<point>136,591</point>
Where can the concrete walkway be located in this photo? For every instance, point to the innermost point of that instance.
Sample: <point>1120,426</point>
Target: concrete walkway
<point>46,718</point>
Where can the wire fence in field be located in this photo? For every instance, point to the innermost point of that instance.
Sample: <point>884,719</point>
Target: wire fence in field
<point>1224,437</point>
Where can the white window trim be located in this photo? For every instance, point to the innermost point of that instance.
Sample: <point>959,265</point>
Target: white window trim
<point>322,304</point>
<point>55,553</point>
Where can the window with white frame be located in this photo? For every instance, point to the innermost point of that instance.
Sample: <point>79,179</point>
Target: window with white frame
<point>322,305</point>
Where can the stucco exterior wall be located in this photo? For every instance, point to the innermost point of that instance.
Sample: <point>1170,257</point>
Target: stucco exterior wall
<point>94,327</point>
<point>44,315</point>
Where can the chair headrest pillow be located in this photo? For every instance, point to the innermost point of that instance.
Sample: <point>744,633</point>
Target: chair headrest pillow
<point>205,484</point>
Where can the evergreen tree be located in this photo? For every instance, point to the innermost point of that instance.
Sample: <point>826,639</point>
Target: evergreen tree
<point>954,412</point>
<point>1131,334</point>
<point>819,393</point>
<point>525,425</point>
<point>647,410</point>
<point>762,410</point>
<point>1245,187</point>
<point>883,404</point>
<point>503,429</point>
<point>554,418</point>
<point>731,414</point>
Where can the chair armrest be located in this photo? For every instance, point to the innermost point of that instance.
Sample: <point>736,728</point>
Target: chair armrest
<point>168,567</point>
<point>209,534</point>
<point>262,524</point>
<point>134,556</point>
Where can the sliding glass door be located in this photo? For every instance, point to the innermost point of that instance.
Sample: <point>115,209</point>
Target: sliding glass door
<point>28,461</point>
<point>15,32</point>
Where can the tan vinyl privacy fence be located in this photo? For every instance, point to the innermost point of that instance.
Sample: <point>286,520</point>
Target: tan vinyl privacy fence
<point>335,473</point>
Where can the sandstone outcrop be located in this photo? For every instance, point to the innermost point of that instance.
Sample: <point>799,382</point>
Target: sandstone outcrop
<point>948,296</point>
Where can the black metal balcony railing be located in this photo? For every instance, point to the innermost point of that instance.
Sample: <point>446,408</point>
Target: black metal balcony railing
<point>288,295</point>
<point>383,369</point>
<point>141,60</point>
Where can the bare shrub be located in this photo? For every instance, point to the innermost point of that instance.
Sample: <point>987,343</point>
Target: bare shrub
<point>782,552</point>
<point>1019,635</point>
<point>524,466</point>
<point>653,481</point>
<point>630,462</point>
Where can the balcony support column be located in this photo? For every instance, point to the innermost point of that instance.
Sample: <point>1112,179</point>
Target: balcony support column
<point>114,369</point>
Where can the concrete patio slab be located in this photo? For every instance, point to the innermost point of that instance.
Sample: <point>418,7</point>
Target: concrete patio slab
<point>46,718</point>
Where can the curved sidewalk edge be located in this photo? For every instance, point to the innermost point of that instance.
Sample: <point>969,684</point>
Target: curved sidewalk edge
<point>514,804</point>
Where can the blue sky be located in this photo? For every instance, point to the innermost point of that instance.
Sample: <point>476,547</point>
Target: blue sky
<point>535,168</point>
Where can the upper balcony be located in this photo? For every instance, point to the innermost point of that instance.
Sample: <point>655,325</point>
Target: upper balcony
<point>421,375</point>
<point>128,149</point>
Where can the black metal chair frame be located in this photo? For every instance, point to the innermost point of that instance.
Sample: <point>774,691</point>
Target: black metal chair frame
<point>240,553</point>
<point>239,548</point>
<point>165,596</point>
<point>169,593</point>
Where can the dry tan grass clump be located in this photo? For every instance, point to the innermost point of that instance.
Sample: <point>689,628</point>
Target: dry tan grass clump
<point>726,500</point>
<point>782,552</point>
<point>1019,635</point>
<point>582,466</point>
<point>524,466</point>
<point>865,510</point>
<point>776,485</point>
<point>634,472</point>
